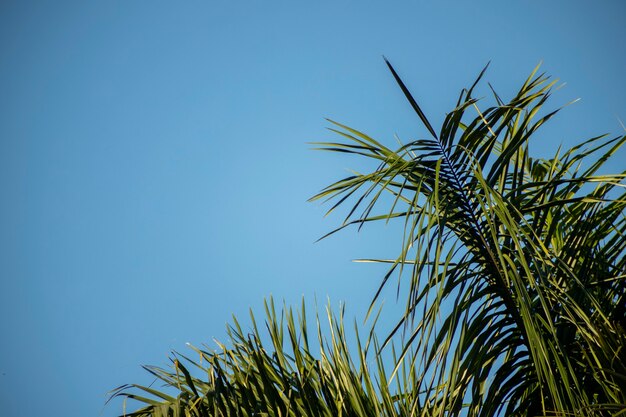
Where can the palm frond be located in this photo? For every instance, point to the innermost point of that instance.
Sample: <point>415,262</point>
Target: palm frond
<point>516,265</point>
<point>285,370</point>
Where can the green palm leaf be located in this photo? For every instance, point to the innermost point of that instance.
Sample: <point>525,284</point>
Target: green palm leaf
<point>285,376</point>
<point>516,296</point>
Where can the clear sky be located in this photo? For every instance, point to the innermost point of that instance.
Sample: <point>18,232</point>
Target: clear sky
<point>154,166</point>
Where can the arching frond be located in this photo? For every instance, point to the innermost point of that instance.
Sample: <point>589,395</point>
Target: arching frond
<point>515,301</point>
<point>280,369</point>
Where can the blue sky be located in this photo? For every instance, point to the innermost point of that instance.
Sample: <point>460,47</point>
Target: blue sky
<point>154,165</point>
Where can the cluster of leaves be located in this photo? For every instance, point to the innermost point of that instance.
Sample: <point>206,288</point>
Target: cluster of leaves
<point>285,378</point>
<point>514,275</point>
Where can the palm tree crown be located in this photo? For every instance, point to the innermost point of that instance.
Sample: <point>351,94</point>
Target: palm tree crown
<point>514,269</point>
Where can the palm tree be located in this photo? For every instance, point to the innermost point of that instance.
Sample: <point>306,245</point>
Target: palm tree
<point>513,275</point>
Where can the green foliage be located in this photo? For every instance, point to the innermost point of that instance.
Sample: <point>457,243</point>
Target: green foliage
<point>285,378</point>
<point>512,269</point>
